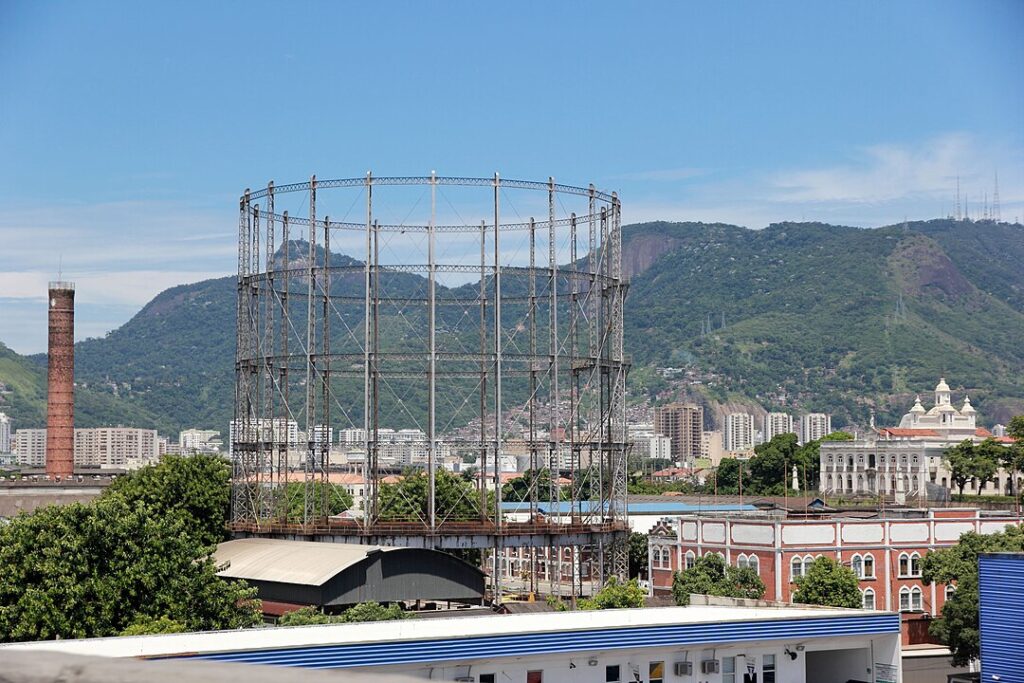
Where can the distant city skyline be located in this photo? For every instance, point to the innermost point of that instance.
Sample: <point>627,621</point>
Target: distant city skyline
<point>130,130</point>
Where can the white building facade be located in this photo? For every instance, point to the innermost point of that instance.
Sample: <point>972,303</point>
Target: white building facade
<point>777,423</point>
<point>739,432</point>
<point>814,427</point>
<point>6,435</point>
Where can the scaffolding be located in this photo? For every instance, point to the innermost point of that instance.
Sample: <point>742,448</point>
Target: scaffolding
<point>495,344</point>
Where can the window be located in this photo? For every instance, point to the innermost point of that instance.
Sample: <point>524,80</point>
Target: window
<point>869,566</point>
<point>868,601</point>
<point>904,564</point>
<point>486,678</point>
<point>950,589</point>
<point>753,563</point>
<point>728,670</point>
<point>534,677</point>
<point>691,559</point>
<point>915,564</point>
<point>768,668</point>
<point>910,599</point>
<point>857,565</point>
<point>612,674</point>
<point>796,568</point>
<point>656,672</point>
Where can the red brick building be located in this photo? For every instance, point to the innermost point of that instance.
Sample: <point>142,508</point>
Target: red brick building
<point>885,552</point>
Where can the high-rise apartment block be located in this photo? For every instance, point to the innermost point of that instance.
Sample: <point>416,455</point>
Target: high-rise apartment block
<point>117,447</point>
<point>5,434</point>
<point>683,423</point>
<point>777,423</point>
<point>739,432</point>
<point>815,426</point>
<point>199,441</point>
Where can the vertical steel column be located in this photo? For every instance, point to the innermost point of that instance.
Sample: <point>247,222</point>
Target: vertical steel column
<point>534,465</point>
<point>482,458</point>
<point>269,395</point>
<point>431,372</point>
<point>309,512</point>
<point>239,476</point>
<point>375,367</point>
<point>497,390</point>
<point>324,464</point>
<point>284,432</point>
<point>554,399</point>
<point>620,559</point>
<point>369,469</point>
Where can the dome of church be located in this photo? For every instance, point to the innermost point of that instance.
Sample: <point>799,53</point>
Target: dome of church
<point>942,386</point>
<point>968,408</point>
<point>918,408</point>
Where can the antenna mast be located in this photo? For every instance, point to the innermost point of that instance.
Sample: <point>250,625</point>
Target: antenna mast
<point>996,214</point>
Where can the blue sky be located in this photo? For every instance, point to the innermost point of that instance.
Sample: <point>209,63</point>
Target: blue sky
<point>128,130</point>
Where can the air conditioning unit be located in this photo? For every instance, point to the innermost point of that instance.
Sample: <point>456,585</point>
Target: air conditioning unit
<point>709,666</point>
<point>683,668</point>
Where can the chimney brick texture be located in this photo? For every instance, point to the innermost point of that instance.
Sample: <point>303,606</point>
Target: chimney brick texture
<point>60,402</point>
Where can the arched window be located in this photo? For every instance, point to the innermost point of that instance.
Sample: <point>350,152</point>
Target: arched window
<point>857,565</point>
<point>741,561</point>
<point>950,589</point>
<point>691,558</point>
<point>869,566</point>
<point>754,564</point>
<point>904,599</point>
<point>849,482</point>
<point>915,564</point>
<point>904,564</point>
<point>915,599</point>
<point>796,568</point>
<point>868,598</point>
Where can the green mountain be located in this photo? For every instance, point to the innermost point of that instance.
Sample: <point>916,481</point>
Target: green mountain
<point>833,318</point>
<point>796,316</point>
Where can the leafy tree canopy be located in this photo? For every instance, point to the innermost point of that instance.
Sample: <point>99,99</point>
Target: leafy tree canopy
<point>148,625</point>
<point>828,583</point>
<point>710,575</point>
<point>456,498</point>
<point>338,499</point>
<point>838,436</point>
<point>958,628</point>
<point>79,571</point>
<point>615,595</point>
<point>637,554</point>
<point>193,486</point>
<point>521,489</point>
<point>364,611</point>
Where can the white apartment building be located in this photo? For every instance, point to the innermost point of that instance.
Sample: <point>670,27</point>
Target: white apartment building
<point>5,434</point>
<point>115,447</point>
<point>815,426</point>
<point>711,447</point>
<point>30,445</point>
<point>199,440</point>
<point>777,423</point>
<point>277,431</point>
<point>739,432</point>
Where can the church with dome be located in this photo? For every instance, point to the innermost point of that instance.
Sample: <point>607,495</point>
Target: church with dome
<point>907,462</point>
<point>942,419</point>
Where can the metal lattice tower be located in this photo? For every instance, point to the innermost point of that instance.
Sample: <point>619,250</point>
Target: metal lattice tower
<point>483,338</point>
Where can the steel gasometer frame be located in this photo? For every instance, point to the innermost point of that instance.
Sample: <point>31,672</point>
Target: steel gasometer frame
<point>487,351</point>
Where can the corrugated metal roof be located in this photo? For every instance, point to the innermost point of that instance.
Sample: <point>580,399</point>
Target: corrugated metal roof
<point>297,562</point>
<point>1001,615</point>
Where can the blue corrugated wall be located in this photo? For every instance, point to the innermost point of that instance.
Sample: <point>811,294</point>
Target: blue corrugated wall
<point>1001,593</point>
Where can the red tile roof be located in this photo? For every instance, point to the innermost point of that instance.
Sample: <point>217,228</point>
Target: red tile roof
<point>905,431</point>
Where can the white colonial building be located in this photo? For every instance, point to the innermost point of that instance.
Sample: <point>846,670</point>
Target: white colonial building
<point>902,461</point>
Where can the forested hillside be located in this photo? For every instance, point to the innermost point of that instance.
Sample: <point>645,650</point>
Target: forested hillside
<point>797,316</point>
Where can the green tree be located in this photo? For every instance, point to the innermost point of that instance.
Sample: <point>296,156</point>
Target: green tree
<point>456,498</point>
<point>519,489</point>
<point>726,477</point>
<point>838,436</point>
<point>637,555</point>
<point>828,583</point>
<point>710,575</point>
<point>615,595</point>
<point>958,628</point>
<point>1013,456</point>
<point>79,571</point>
<point>338,499</point>
<point>960,463</point>
<point>364,611</point>
<point>194,486</point>
<point>987,456</point>
<point>144,626</point>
